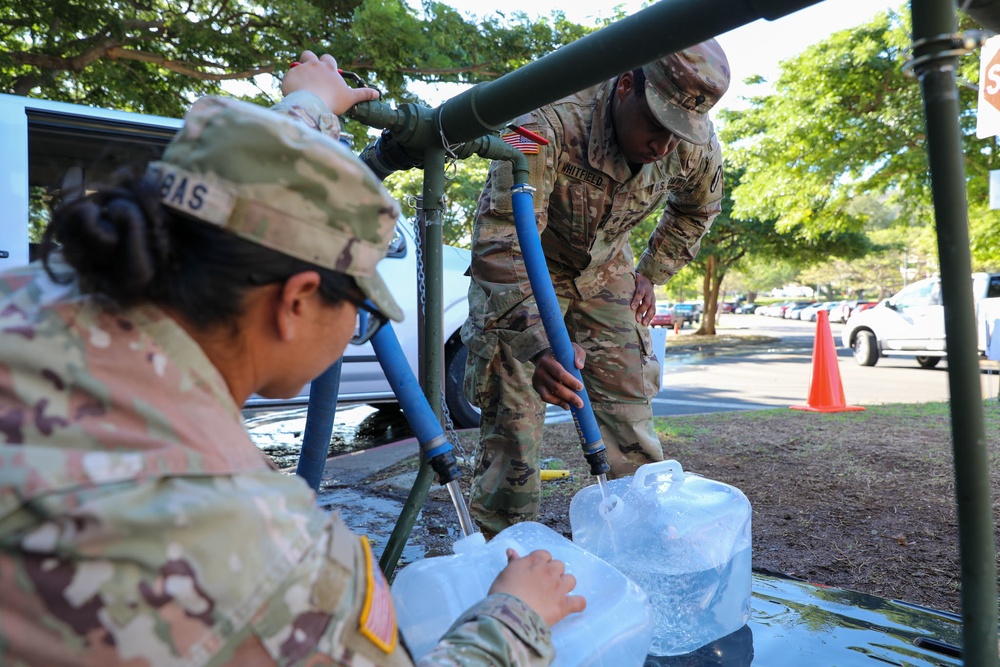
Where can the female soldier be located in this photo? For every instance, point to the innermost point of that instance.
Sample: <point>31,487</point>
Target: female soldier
<point>139,524</point>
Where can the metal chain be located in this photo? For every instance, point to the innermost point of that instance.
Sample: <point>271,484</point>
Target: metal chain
<point>449,426</point>
<point>421,290</point>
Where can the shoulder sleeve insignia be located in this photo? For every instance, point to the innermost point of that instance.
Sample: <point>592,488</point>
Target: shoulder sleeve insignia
<point>378,617</point>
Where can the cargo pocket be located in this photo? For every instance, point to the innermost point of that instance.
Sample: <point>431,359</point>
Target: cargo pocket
<point>651,370</point>
<point>478,374</point>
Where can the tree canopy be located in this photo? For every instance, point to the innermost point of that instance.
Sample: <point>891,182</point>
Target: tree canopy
<point>845,125</point>
<point>156,56</point>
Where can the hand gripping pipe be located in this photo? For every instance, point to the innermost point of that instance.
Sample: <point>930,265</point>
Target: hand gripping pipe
<point>555,327</point>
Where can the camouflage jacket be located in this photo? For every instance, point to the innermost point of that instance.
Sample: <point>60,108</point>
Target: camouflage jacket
<point>140,525</point>
<point>586,201</point>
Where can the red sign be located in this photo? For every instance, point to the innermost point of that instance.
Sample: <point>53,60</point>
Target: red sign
<point>991,85</point>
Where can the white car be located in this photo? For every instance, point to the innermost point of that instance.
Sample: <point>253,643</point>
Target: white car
<point>47,145</point>
<point>911,323</point>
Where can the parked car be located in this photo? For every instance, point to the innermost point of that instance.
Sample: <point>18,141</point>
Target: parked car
<point>911,323</point>
<point>52,144</point>
<point>811,313</point>
<point>746,308</point>
<point>664,316</point>
<point>778,309</point>
<point>794,312</point>
<point>687,313</point>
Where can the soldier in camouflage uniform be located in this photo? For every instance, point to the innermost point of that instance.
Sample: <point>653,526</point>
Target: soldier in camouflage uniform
<point>616,152</point>
<point>139,524</point>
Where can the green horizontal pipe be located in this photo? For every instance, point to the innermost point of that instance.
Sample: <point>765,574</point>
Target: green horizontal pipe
<point>667,26</point>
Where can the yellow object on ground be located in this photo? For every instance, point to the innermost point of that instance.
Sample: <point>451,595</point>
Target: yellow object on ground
<point>554,474</point>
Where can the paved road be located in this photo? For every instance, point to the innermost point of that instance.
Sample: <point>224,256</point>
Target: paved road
<point>781,375</point>
<point>697,382</point>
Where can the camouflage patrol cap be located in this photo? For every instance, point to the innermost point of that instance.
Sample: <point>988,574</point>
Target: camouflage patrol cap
<point>274,181</point>
<point>683,86</point>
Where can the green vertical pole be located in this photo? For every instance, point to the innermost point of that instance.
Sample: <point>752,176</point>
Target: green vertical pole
<point>934,62</point>
<point>433,349</point>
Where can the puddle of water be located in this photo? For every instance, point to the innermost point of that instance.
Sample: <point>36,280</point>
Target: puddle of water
<point>371,516</point>
<point>278,432</point>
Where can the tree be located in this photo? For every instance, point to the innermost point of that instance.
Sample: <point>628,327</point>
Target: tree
<point>844,121</point>
<point>156,56</point>
<point>730,239</point>
<point>462,186</point>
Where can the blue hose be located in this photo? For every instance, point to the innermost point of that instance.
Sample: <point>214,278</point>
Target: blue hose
<point>434,444</point>
<point>319,424</point>
<point>555,327</point>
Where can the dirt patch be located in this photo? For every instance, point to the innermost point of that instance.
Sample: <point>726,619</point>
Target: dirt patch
<point>861,500</point>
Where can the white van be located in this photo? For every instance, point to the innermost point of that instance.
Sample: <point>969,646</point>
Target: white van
<point>47,146</point>
<point>911,323</point>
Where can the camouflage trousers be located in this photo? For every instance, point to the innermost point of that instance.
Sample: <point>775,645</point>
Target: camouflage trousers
<point>621,374</point>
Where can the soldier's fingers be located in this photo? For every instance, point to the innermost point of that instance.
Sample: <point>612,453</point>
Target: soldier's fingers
<point>549,397</point>
<point>569,381</point>
<point>364,94</point>
<point>575,603</point>
<point>512,555</point>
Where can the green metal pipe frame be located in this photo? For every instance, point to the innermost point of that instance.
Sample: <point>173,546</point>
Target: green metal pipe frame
<point>671,25</point>
<point>934,62</point>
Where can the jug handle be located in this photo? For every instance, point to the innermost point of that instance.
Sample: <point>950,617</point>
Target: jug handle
<point>670,467</point>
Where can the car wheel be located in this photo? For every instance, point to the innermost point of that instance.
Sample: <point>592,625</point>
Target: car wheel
<point>865,349</point>
<point>928,362</point>
<point>463,413</point>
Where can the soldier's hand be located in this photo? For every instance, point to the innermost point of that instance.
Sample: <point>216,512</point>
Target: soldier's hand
<point>319,76</point>
<point>554,383</point>
<point>540,582</point>
<point>644,301</point>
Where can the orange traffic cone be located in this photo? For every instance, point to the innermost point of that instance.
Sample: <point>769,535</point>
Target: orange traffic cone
<point>826,393</point>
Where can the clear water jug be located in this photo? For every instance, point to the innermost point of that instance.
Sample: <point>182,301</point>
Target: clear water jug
<point>684,539</point>
<point>613,631</point>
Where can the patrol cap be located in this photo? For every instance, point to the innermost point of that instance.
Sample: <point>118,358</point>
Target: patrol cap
<point>683,86</point>
<point>274,181</point>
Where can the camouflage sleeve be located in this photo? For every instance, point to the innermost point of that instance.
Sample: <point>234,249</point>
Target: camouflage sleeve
<point>311,110</point>
<point>497,263</point>
<point>501,630</point>
<point>689,213</point>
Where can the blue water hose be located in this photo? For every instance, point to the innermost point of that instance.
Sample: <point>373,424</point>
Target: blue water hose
<point>319,424</point>
<point>555,327</point>
<point>434,444</point>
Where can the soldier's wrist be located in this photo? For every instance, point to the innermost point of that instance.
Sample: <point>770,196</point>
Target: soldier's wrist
<point>538,356</point>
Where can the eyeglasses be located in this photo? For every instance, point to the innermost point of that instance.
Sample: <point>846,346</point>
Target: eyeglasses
<point>370,320</point>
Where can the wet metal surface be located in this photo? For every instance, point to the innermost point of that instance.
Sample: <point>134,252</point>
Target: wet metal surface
<point>794,624</point>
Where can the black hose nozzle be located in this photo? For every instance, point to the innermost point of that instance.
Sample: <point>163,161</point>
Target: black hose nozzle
<point>597,456</point>
<point>441,457</point>
<point>446,467</point>
<point>387,155</point>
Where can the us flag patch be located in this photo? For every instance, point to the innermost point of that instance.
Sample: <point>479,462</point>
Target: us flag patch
<point>526,146</point>
<point>378,616</point>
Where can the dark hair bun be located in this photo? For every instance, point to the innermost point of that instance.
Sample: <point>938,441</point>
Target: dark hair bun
<point>114,239</point>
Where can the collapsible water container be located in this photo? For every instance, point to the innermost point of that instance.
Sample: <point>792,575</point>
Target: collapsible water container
<point>684,539</point>
<point>613,631</point>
